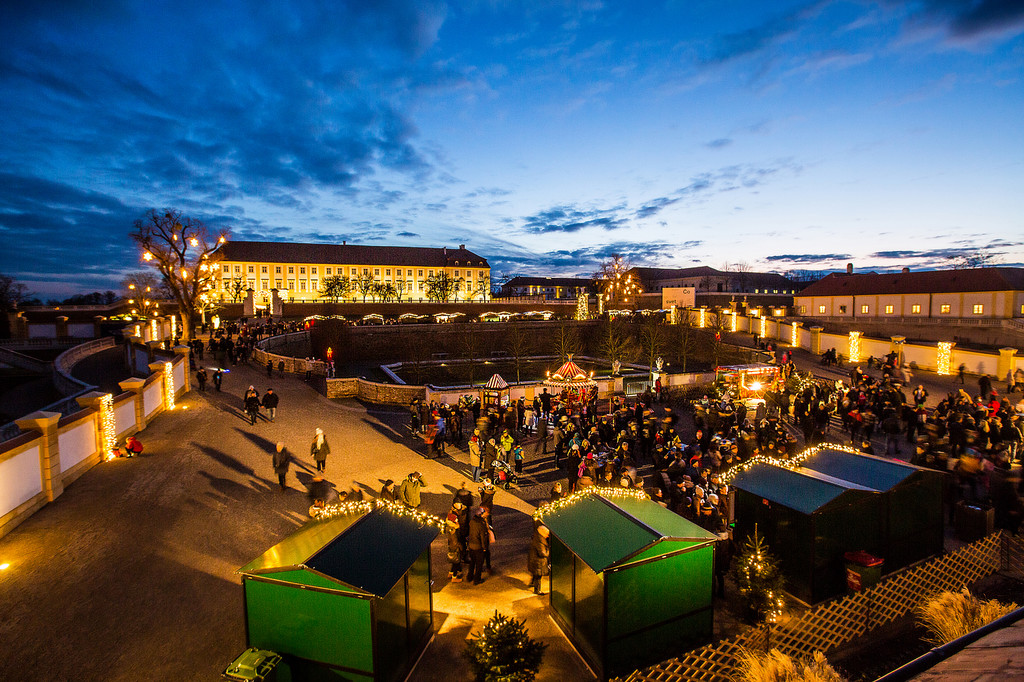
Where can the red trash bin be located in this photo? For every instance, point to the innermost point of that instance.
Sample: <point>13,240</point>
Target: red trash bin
<point>863,570</point>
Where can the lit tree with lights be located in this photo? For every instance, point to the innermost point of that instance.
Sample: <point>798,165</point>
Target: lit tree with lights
<point>759,580</point>
<point>618,287</point>
<point>185,254</point>
<point>140,291</point>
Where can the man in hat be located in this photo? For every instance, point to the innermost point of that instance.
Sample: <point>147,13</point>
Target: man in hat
<point>409,491</point>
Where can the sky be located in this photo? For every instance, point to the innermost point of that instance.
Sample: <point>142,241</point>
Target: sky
<point>546,136</point>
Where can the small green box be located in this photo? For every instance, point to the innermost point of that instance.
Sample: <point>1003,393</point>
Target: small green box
<point>253,665</point>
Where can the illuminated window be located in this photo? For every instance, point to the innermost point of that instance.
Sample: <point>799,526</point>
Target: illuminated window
<point>979,309</point>
<point>888,309</point>
<point>314,285</point>
<point>252,284</point>
<point>803,310</point>
<point>277,284</point>
<point>915,309</point>
<point>302,285</point>
<point>863,310</point>
<point>842,310</point>
<point>944,308</point>
<point>264,285</point>
<point>821,310</point>
<point>291,285</point>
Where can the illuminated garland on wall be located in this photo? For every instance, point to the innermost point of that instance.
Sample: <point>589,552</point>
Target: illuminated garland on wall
<point>793,463</point>
<point>153,336</point>
<point>794,339</point>
<point>108,429</point>
<point>174,327</point>
<point>764,326</point>
<point>854,354</point>
<point>569,500</point>
<point>735,323</point>
<point>582,308</point>
<point>366,506</point>
<point>168,385</point>
<point>944,360</point>
<point>702,319</point>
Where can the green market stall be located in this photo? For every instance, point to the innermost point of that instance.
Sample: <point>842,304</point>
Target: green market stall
<point>345,598</point>
<point>911,495</point>
<point>631,582</point>
<point>831,500</point>
<point>809,520</point>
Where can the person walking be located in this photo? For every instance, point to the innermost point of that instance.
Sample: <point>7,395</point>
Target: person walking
<point>539,559</point>
<point>218,377</point>
<point>282,459</point>
<point>409,491</point>
<point>474,455</point>
<point>542,434</point>
<point>270,368</point>
<point>478,541</point>
<point>270,400</point>
<point>252,404</point>
<point>451,531</point>
<point>319,449</point>
<point>201,378</point>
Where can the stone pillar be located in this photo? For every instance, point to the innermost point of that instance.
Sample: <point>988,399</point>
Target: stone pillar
<point>62,326</point>
<point>19,325</point>
<point>185,352</point>
<point>134,386</point>
<point>1007,363</point>
<point>896,346</point>
<point>92,400</point>
<point>97,325</point>
<point>153,345</point>
<point>816,340</point>
<point>45,424</point>
<point>249,307</point>
<point>275,303</point>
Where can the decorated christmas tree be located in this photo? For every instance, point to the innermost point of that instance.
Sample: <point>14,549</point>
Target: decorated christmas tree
<point>759,580</point>
<point>504,652</point>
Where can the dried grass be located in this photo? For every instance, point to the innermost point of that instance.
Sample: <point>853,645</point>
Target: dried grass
<point>951,615</point>
<point>776,666</point>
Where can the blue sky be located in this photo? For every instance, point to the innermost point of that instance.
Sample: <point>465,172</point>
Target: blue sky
<point>543,135</point>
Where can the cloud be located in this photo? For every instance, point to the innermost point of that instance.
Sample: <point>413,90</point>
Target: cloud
<point>969,21</point>
<point>719,143</point>
<point>567,219</point>
<point>807,257</point>
<point>407,234</point>
<point>758,38</point>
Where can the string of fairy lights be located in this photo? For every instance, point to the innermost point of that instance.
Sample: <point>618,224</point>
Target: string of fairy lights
<point>366,506</point>
<point>168,386</point>
<point>793,463</point>
<point>613,493</point>
<point>108,428</point>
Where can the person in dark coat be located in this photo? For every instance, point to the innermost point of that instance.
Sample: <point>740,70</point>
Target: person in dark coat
<point>218,378</point>
<point>451,532</point>
<point>201,378</point>
<point>539,561</point>
<point>387,492</point>
<point>319,449</point>
<point>282,458</point>
<point>252,404</point>
<point>270,400</point>
<point>478,541</point>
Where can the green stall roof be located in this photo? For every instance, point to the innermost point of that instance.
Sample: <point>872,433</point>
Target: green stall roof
<point>605,533</point>
<point>804,490</point>
<point>369,552</point>
<point>869,471</point>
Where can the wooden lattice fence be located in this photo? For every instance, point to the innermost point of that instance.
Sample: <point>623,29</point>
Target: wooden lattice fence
<point>829,625</point>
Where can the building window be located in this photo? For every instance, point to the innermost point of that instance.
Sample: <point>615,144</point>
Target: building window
<point>757,291</point>
<point>889,309</point>
<point>277,284</point>
<point>775,291</point>
<point>263,268</point>
<point>291,285</point>
<point>366,271</point>
<point>376,272</point>
<point>277,269</point>
<point>252,284</point>
<point>821,310</point>
<point>863,310</point>
<point>302,271</point>
<point>387,273</point>
<point>264,285</point>
<point>238,268</point>
<point>944,308</point>
<point>421,274</point>
<point>430,273</point>
<point>803,310</point>
<point>842,310</point>
<point>252,268</point>
<point>979,309</point>
<point>302,285</point>
<point>291,269</point>
<point>314,285</point>
<point>312,271</point>
<point>456,273</point>
<point>915,309</point>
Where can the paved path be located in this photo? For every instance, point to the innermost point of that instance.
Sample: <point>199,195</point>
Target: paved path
<point>130,574</point>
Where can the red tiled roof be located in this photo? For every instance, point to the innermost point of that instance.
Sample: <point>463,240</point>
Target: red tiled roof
<point>348,254</point>
<point>923,282</point>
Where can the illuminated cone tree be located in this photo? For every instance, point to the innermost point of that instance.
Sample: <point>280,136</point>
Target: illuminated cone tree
<point>759,580</point>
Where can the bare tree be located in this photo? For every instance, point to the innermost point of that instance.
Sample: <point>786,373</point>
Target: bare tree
<point>185,254</point>
<point>519,342</point>
<point>364,284</point>
<point>469,343</point>
<point>236,289</point>
<point>566,340</point>
<point>652,341</point>
<point>619,287</point>
<point>616,341</point>
<point>967,261</point>
<point>686,337</point>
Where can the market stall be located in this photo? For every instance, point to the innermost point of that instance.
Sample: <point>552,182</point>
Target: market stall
<point>569,383</point>
<point>630,581</point>
<point>347,596</point>
<point>496,392</point>
<point>748,383</point>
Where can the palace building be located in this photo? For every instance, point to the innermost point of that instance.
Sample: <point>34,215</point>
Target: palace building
<point>297,271</point>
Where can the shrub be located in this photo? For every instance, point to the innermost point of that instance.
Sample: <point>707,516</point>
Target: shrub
<point>776,666</point>
<point>951,615</point>
<point>504,652</point>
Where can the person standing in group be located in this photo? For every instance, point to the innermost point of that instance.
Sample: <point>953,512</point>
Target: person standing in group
<point>282,458</point>
<point>474,455</point>
<point>270,368</point>
<point>409,491</point>
<point>319,449</point>
<point>539,561</point>
<point>387,492</point>
<point>218,377</point>
<point>478,541</point>
<point>451,531</point>
<point>201,378</point>
<point>270,400</point>
<point>252,404</point>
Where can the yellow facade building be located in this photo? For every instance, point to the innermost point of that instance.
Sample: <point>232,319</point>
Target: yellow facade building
<point>298,271</point>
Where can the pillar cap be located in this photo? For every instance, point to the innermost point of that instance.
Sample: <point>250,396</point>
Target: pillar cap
<point>90,398</point>
<point>39,421</point>
<point>156,367</point>
<point>134,384</point>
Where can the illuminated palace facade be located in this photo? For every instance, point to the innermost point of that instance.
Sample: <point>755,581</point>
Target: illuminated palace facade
<point>298,271</point>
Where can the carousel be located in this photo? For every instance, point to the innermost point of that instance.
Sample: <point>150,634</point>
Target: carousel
<point>748,383</point>
<point>570,384</point>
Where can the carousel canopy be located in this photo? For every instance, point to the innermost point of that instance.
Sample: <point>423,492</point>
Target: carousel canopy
<point>569,376</point>
<point>496,383</point>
